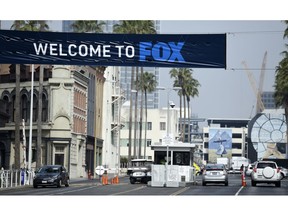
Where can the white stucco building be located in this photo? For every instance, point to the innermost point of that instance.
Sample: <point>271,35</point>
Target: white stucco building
<point>156,130</point>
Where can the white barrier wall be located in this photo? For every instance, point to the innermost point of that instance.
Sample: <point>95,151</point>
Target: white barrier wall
<point>175,175</point>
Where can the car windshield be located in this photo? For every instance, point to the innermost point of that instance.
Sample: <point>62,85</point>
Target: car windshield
<point>263,165</point>
<point>49,170</point>
<point>139,163</point>
<point>214,167</point>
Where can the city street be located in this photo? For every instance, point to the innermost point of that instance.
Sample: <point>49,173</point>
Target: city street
<point>124,188</point>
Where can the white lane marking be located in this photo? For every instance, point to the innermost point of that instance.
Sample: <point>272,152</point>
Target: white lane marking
<point>180,191</point>
<point>81,189</point>
<point>239,191</point>
<point>123,192</point>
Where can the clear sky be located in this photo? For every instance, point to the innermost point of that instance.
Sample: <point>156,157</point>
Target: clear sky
<point>228,93</point>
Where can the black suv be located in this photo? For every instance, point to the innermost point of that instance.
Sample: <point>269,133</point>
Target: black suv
<point>51,175</point>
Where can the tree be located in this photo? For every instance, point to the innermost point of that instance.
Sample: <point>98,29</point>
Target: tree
<point>183,78</point>
<point>191,89</point>
<point>28,25</point>
<point>147,83</point>
<point>281,84</point>
<point>134,27</point>
<point>86,26</point>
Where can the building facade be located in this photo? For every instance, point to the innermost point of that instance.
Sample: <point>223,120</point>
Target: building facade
<point>64,117</point>
<point>156,130</point>
<point>224,138</point>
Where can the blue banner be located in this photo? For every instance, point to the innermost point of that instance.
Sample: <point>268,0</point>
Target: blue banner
<point>140,50</point>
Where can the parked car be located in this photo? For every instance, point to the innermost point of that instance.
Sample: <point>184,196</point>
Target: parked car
<point>283,172</point>
<point>215,173</point>
<point>249,169</point>
<point>266,172</point>
<point>51,175</point>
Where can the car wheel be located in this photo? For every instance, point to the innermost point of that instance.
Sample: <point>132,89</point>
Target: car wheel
<point>35,185</point>
<point>59,183</point>
<point>67,183</point>
<point>132,180</point>
<point>253,183</point>
<point>203,183</point>
<point>226,183</point>
<point>278,184</point>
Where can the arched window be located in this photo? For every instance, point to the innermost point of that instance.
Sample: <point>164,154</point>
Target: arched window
<point>6,96</point>
<point>24,107</point>
<point>35,107</point>
<point>44,106</point>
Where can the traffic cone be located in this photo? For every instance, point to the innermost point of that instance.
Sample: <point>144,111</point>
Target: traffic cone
<point>116,180</point>
<point>106,179</point>
<point>244,184</point>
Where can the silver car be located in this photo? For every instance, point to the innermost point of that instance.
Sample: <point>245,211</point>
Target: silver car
<point>215,173</point>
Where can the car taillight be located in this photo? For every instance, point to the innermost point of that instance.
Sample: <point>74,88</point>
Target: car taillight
<point>254,170</point>
<point>204,172</point>
<point>278,170</point>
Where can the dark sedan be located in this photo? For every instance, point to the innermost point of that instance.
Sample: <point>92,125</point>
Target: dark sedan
<point>51,175</point>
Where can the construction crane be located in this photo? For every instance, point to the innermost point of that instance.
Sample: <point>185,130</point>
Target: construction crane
<point>258,92</point>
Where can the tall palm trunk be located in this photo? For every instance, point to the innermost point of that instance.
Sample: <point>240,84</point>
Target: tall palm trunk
<point>39,120</point>
<point>141,119</point>
<point>180,125</point>
<point>135,118</point>
<point>189,127</point>
<point>17,118</point>
<point>130,117</point>
<point>184,122</point>
<point>286,117</point>
<point>145,139</point>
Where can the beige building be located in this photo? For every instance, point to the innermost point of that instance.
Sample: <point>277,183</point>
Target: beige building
<point>64,117</point>
<point>156,131</point>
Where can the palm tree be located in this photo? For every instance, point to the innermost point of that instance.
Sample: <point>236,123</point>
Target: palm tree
<point>183,78</point>
<point>281,84</point>
<point>30,25</point>
<point>86,26</point>
<point>147,84</point>
<point>191,91</point>
<point>134,27</point>
<point>286,30</point>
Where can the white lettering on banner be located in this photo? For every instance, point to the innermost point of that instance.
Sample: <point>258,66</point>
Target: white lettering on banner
<point>132,51</point>
<point>106,51</point>
<point>83,50</point>
<point>119,50</point>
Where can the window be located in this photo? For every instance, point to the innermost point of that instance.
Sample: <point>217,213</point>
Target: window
<point>236,145</point>
<point>235,135</point>
<point>149,142</point>
<point>149,125</point>
<point>163,126</point>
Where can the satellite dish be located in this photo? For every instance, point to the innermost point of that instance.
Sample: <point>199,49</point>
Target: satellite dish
<point>99,170</point>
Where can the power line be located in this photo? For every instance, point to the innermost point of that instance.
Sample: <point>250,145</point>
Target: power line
<point>254,32</point>
<point>252,69</point>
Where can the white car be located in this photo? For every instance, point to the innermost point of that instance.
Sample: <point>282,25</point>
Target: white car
<point>249,169</point>
<point>283,171</point>
<point>266,172</point>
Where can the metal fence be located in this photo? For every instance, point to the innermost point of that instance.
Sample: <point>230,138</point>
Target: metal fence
<point>15,178</point>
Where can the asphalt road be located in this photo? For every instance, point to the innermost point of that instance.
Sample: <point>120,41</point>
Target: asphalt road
<point>124,188</point>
